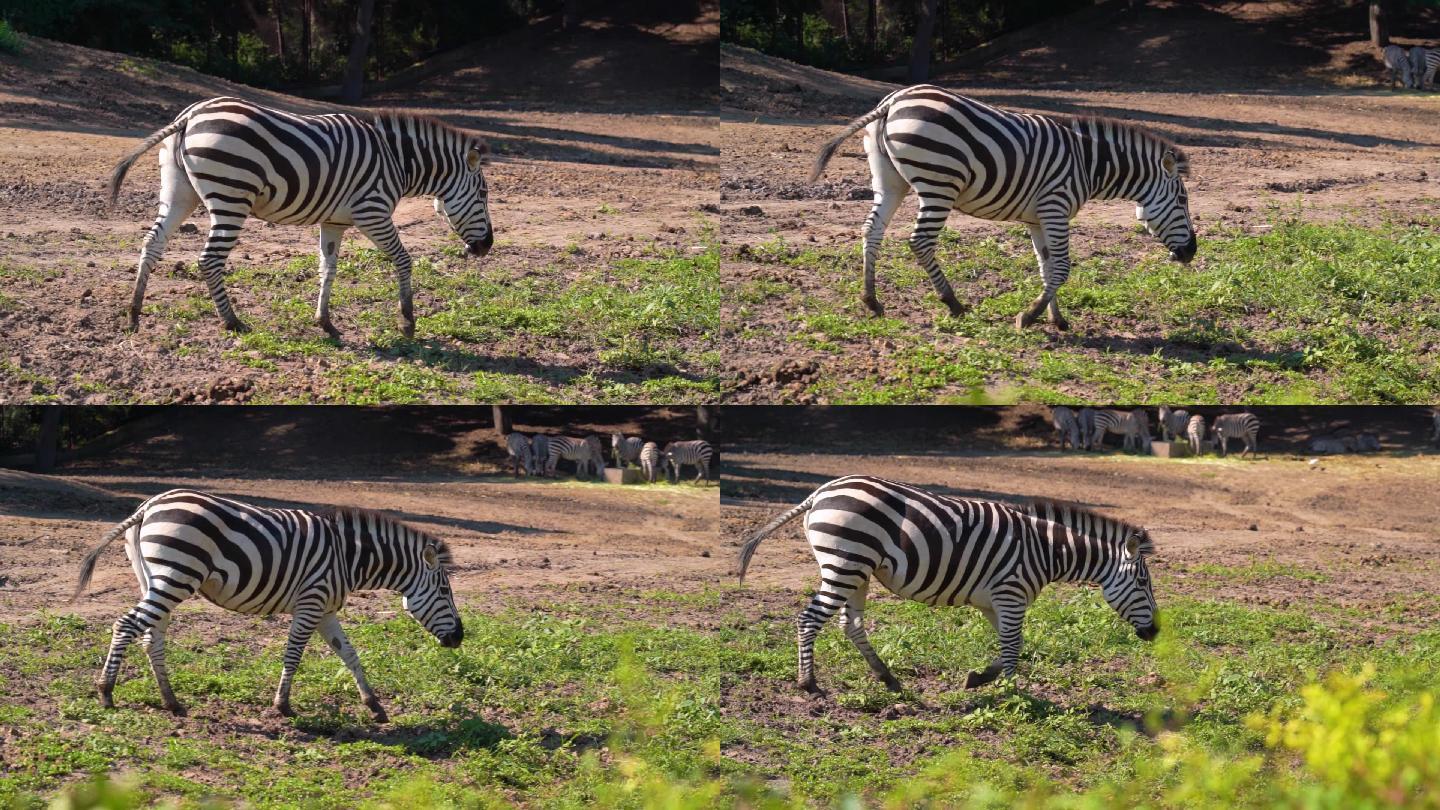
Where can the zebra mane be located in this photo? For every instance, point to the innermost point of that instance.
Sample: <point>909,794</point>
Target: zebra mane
<point>1087,521</point>
<point>1116,129</point>
<point>433,123</point>
<point>343,513</point>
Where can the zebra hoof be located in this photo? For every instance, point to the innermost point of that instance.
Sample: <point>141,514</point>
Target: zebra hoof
<point>957,309</point>
<point>377,711</point>
<point>329,328</point>
<point>237,326</point>
<point>177,709</point>
<point>812,688</point>
<point>1060,323</point>
<point>875,307</point>
<point>893,684</point>
<point>283,709</point>
<point>407,328</point>
<point>106,701</point>
<point>975,680</point>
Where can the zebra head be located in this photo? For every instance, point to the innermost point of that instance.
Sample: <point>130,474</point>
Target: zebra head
<point>1127,589</point>
<point>464,202</point>
<point>427,597</point>
<point>1165,207</point>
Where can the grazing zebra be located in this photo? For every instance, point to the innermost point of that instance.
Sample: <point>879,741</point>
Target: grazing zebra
<point>940,550</point>
<point>626,448</point>
<point>1424,69</point>
<point>1134,426</point>
<point>1365,442</point>
<point>650,461</point>
<point>1195,433</point>
<point>1329,446</point>
<point>240,159</point>
<point>1229,426</point>
<point>1067,428</point>
<point>539,453</point>
<point>1172,423</point>
<point>960,154</point>
<point>262,561</point>
<point>696,453</point>
<point>1086,421</point>
<point>585,454</point>
<point>1397,61</point>
<point>517,446</point>
<point>597,455</point>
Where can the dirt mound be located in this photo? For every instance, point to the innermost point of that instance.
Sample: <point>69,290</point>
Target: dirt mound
<point>753,82</point>
<point>21,491</point>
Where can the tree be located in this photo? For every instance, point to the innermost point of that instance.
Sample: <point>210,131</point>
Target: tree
<point>501,416</point>
<point>47,444</point>
<point>872,26</point>
<point>359,47</point>
<point>707,421</point>
<point>1379,23</point>
<point>924,38</point>
<point>570,15</point>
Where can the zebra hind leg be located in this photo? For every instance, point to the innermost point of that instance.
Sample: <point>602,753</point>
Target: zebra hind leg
<point>889,188</point>
<point>177,201</point>
<point>330,236</point>
<point>224,227</point>
<point>923,241</point>
<point>137,622</point>
<point>808,624</point>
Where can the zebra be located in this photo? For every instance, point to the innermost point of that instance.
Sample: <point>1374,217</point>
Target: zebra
<point>239,159</point>
<point>696,453</point>
<point>517,446</point>
<point>1329,446</point>
<point>1134,426</point>
<point>650,461</point>
<point>939,550</point>
<point>1435,418</point>
<point>583,452</point>
<point>1066,426</point>
<point>539,453</point>
<point>1195,433</point>
<point>1397,61</point>
<point>958,153</point>
<point>626,448</point>
<point>1229,426</point>
<point>1423,69</point>
<point>1085,419</point>
<point>263,561</point>
<point>597,455</point>
<point>1173,422</point>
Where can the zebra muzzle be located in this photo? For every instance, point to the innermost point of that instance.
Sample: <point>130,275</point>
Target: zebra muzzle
<point>453,638</point>
<point>479,247</point>
<point>1148,632</point>
<point>1186,252</point>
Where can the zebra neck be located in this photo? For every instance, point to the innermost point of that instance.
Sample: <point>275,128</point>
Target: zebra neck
<point>1075,557</point>
<point>413,145</point>
<point>1112,170</point>
<point>369,562</point>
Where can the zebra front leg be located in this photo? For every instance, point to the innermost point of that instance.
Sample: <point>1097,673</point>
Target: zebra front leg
<point>301,626</point>
<point>154,640</point>
<point>1051,239</point>
<point>330,628</point>
<point>330,236</point>
<point>383,234</point>
<point>1006,619</point>
<point>928,224</point>
<point>224,227</point>
<point>852,619</point>
<point>177,201</point>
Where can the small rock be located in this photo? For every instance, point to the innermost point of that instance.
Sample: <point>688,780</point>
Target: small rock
<point>1254,528</point>
<point>189,227</point>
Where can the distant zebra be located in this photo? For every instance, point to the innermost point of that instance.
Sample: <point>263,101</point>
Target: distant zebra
<point>1173,422</point>
<point>1245,426</point>
<point>517,447</point>
<point>582,452</point>
<point>696,453</point>
<point>539,453</point>
<point>1195,433</point>
<point>650,461</point>
<point>1423,64</point>
<point>1134,426</point>
<point>240,159</point>
<point>1329,446</point>
<point>940,550</point>
<point>262,561</point>
<point>1397,61</point>
<point>960,154</point>
<point>1435,418</point>
<point>597,456</point>
<point>1067,427</point>
<point>1085,419</point>
<point>626,448</point>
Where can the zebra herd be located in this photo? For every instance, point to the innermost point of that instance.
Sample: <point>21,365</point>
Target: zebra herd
<point>1414,69</point>
<point>1086,429</point>
<point>540,455</point>
<point>939,550</point>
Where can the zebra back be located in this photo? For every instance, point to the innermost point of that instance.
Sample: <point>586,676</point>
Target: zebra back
<point>1090,523</point>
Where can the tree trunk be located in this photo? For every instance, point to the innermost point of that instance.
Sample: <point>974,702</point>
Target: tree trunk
<point>872,26</point>
<point>278,7</point>
<point>1379,23</point>
<point>924,35</point>
<point>845,21</point>
<point>501,416</point>
<point>47,444</point>
<point>307,22</point>
<point>359,47</point>
<point>707,422</point>
<point>570,17</point>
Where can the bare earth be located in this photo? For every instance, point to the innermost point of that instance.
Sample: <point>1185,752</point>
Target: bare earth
<point>1273,102</point>
<point>570,189</point>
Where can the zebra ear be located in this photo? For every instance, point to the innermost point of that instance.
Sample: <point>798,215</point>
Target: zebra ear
<point>431,557</point>
<point>473,159</point>
<point>1132,547</point>
<point>1168,163</point>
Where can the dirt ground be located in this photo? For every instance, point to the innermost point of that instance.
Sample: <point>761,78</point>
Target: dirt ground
<point>1273,102</point>
<point>573,183</point>
<point>1354,521</point>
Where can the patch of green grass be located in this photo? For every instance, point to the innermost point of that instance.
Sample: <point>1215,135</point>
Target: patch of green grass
<point>9,38</point>
<point>1257,571</point>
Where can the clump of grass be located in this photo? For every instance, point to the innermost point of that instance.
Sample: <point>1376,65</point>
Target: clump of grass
<point>9,38</point>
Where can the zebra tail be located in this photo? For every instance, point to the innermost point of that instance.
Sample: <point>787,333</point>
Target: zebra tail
<point>828,150</point>
<point>118,176</point>
<point>753,541</point>
<point>87,568</point>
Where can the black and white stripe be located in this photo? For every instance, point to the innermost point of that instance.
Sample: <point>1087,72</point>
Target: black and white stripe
<point>696,453</point>
<point>1133,425</point>
<point>1085,419</point>
<point>947,551</point>
<point>626,448</point>
<point>1067,426</point>
<point>241,160</point>
<point>650,461</point>
<point>540,453</point>
<point>586,454</point>
<point>960,154</point>
<point>1173,423</point>
<point>1244,426</point>
<point>1195,433</point>
<point>1423,64</point>
<point>517,447</point>
<point>265,561</point>
<point>1397,61</point>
